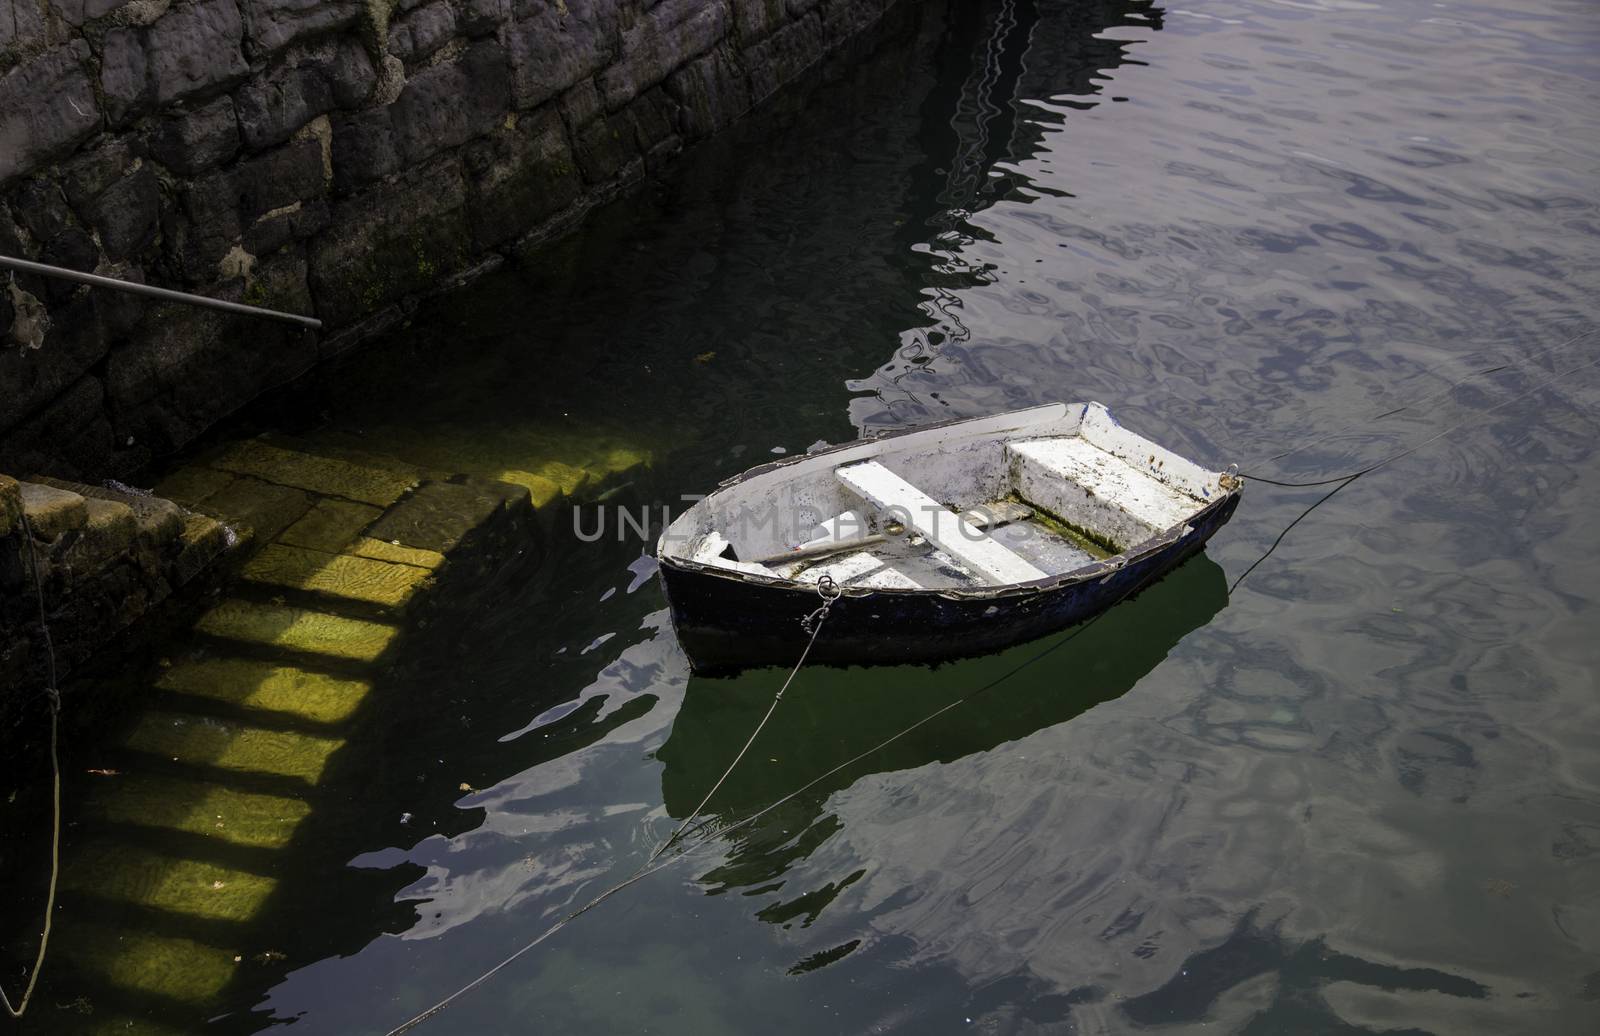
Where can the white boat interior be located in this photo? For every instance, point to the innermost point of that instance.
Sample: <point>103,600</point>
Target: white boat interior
<point>993,501</point>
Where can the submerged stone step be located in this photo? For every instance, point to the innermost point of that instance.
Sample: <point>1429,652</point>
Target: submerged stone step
<point>174,968</point>
<point>205,741</point>
<point>212,811</point>
<point>341,576</point>
<point>331,525</point>
<point>326,476</point>
<point>175,884</point>
<point>257,509</point>
<point>439,515</point>
<point>300,630</point>
<point>259,686</point>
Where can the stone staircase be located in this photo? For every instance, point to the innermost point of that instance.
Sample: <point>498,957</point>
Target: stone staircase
<point>192,818</point>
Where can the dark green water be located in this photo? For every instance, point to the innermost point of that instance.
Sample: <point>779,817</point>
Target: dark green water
<point>1359,794</point>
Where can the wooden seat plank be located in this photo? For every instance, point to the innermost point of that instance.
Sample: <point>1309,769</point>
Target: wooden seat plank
<point>953,534</point>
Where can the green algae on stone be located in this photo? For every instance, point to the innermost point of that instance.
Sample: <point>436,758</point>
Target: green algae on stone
<point>258,509</point>
<point>367,547</point>
<point>176,884</point>
<point>202,741</point>
<point>342,576</point>
<point>169,967</point>
<point>297,629</point>
<point>210,810</point>
<point>328,476</point>
<point>439,515</point>
<point>253,684</point>
<point>193,484</point>
<point>331,525</point>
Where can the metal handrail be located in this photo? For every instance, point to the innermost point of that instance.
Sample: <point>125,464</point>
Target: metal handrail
<point>166,294</point>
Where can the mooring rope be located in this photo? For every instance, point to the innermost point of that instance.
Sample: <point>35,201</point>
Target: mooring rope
<point>829,591</point>
<point>55,781</point>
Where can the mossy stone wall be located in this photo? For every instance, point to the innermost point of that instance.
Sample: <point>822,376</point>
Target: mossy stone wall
<point>332,157</point>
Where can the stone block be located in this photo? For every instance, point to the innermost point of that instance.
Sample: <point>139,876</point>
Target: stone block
<point>421,33</point>
<point>72,249</point>
<point>367,547</point>
<point>447,105</point>
<point>325,476</point>
<point>605,147</point>
<point>189,51</point>
<point>274,24</point>
<point>127,214</point>
<point>553,46</point>
<point>67,435</point>
<point>10,505</point>
<point>755,19</point>
<point>51,511</point>
<point>672,34</point>
<point>192,484</point>
<point>94,169</point>
<point>297,630</point>
<point>47,108</point>
<point>387,244</point>
<point>258,686</point>
<point>340,577</point>
<point>274,106</point>
<point>439,515</point>
<point>107,535</point>
<point>41,380</point>
<point>331,526</point>
<point>41,208</point>
<point>782,56</point>
<point>21,25</point>
<point>711,93</point>
<point>196,140</point>
<point>279,178</point>
<point>519,179</point>
<point>298,221</point>
<point>364,148</point>
<point>257,510</point>
<point>202,540</point>
<point>481,17</point>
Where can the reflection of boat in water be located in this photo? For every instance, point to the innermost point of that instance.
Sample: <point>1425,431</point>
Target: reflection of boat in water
<point>829,716</point>
<point>946,541</point>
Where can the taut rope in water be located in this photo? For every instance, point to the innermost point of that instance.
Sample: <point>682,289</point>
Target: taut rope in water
<point>829,591</point>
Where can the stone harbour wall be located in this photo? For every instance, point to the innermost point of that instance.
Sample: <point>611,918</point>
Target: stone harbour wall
<point>338,158</point>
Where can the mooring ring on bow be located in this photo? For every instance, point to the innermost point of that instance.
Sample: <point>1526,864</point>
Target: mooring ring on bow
<point>829,590</point>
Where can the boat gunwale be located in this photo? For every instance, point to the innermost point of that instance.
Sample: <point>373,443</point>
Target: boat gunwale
<point>1096,570</point>
<point>1099,569</point>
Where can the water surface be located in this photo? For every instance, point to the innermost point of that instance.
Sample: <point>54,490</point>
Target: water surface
<point>1358,793</point>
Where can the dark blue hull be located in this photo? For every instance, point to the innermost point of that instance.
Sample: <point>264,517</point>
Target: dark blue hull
<point>727,622</point>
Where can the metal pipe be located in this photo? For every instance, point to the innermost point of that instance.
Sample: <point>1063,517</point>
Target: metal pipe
<point>166,294</point>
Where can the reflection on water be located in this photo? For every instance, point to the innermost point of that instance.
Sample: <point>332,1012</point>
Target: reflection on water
<point>1360,797</point>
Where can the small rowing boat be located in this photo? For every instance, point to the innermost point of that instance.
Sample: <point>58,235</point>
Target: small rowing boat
<point>941,542</point>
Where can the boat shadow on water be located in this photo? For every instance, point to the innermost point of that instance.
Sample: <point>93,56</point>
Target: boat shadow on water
<point>831,716</point>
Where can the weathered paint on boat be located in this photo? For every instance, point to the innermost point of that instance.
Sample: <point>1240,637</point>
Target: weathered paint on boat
<point>727,620</point>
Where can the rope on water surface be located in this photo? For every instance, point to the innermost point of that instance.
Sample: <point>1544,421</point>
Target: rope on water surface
<point>829,591</point>
<point>55,782</point>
